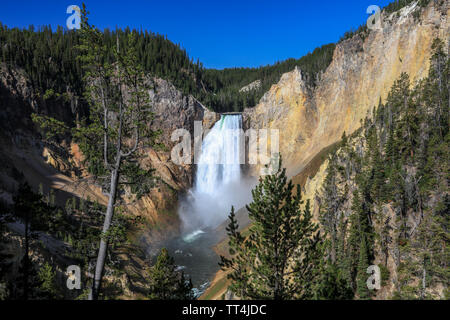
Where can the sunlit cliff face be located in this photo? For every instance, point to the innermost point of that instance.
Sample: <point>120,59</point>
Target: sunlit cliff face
<point>361,72</point>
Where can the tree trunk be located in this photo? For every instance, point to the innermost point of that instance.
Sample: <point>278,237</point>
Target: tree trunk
<point>103,242</point>
<point>424,278</point>
<point>333,244</point>
<point>26,262</point>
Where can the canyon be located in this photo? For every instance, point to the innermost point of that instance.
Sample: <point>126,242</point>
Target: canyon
<point>361,73</point>
<point>309,118</point>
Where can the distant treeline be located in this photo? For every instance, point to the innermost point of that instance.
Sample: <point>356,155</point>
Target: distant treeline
<point>49,59</point>
<point>227,83</point>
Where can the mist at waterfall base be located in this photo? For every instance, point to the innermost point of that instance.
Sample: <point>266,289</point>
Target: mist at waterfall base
<point>218,185</point>
<point>204,211</point>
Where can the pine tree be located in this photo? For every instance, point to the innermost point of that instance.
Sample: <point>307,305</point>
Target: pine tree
<point>331,284</point>
<point>377,187</point>
<point>5,264</point>
<point>119,117</point>
<point>237,262</point>
<point>27,281</point>
<point>329,213</point>
<point>361,277</point>
<point>165,283</point>
<point>31,209</point>
<point>48,288</point>
<point>279,259</point>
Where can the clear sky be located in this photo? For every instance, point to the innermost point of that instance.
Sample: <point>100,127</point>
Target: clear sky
<point>242,33</point>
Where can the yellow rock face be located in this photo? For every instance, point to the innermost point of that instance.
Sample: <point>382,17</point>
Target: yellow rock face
<point>360,73</point>
<point>312,186</point>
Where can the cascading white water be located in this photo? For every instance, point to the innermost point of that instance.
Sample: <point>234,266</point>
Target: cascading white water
<point>218,183</point>
<point>219,162</point>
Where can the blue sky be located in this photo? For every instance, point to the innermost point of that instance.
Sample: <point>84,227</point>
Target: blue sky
<point>245,33</point>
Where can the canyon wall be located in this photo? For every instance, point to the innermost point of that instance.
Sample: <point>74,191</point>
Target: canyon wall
<point>362,71</point>
<point>58,165</point>
<point>312,120</point>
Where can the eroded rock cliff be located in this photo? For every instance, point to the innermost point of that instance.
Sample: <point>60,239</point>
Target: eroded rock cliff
<point>59,165</point>
<point>361,73</point>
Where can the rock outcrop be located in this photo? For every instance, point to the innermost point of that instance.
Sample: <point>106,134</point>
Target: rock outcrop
<point>174,111</point>
<point>361,73</point>
<point>59,165</point>
<point>255,85</point>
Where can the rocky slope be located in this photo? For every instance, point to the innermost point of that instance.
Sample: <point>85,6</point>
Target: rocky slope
<point>255,85</point>
<point>57,166</point>
<point>350,88</point>
<point>60,165</point>
<point>312,120</point>
<point>362,72</point>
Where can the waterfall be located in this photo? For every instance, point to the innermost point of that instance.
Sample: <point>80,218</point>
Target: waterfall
<point>218,183</point>
<point>220,159</point>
